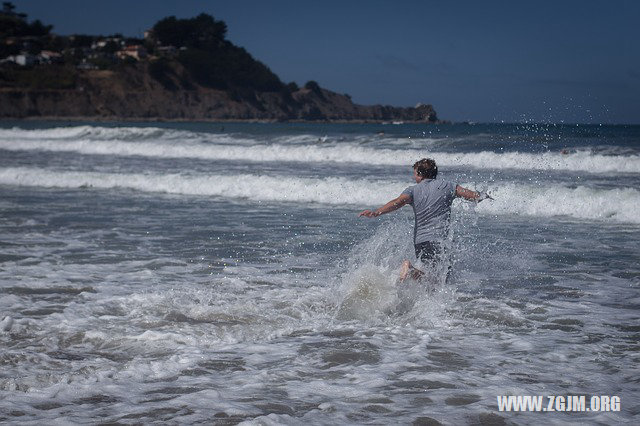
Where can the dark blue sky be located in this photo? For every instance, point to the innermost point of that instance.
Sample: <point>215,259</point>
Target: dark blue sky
<point>561,61</point>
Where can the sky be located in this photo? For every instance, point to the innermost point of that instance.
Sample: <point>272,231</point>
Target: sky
<point>492,61</point>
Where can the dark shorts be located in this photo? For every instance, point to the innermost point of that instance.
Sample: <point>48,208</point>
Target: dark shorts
<point>428,251</point>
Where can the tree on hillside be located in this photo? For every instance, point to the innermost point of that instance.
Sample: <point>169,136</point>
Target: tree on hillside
<point>314,87</point>
<point>8,9</point>
<point>14,24</point>
<point>202,32</point>
<point>212,60</point>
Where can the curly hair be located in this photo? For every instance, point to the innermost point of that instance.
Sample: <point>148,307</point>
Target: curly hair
<point>426,168</point>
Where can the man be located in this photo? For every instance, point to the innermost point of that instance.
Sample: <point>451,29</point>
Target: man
<point>431,199</point>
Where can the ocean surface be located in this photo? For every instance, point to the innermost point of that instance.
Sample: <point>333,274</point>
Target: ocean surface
<point>202,273</point>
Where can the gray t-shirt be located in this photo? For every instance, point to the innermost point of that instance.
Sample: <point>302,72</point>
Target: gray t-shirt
<point>431,200</point>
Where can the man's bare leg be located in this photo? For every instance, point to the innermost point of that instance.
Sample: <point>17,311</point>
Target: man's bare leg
<point>408,269</point>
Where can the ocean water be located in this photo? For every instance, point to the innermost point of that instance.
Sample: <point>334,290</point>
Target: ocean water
<point>200,273</point>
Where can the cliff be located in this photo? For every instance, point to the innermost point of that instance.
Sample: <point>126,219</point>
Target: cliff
<point>135,92</point>
<point>184,69</point>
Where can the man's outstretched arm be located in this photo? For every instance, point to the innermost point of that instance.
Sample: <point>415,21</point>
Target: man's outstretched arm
<point>470,195</point>
<point>392,205</point>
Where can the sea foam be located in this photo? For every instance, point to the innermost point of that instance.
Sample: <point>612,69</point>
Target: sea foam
<point>618,205</point>
<point>577,162</point>
<point>161,143</point>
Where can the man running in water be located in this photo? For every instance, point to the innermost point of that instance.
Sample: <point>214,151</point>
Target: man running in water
<point>431,199</point>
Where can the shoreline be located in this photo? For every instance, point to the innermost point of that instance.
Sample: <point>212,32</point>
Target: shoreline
<point>296,121</point>
<point>215,120</point>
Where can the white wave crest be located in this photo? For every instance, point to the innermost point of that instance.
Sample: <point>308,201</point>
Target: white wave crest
<point>616,205</point>
<point>580,161</point>
<point>253,187</point>
<point>93,133</point>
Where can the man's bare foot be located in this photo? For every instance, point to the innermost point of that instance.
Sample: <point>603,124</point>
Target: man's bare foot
<point>404,271</point>
<point>408,269</point>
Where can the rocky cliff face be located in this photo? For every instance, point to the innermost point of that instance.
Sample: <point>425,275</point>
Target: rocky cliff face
<point>132,93</point>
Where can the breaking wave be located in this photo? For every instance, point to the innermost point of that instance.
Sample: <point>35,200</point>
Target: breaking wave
<point>617,205</point>
<point>581,161</point>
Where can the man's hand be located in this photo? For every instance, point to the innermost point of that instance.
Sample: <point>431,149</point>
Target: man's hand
<point>483,196</point>
<point>470,195</point>
<point>369,213</point>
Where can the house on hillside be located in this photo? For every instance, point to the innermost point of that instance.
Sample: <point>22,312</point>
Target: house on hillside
<point>22,59</point>
<point>136,52</point>
<point>49,57</point>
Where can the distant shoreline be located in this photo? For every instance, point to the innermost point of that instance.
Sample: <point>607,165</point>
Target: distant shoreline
<point>274,121</point>
<point>213,120</point>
